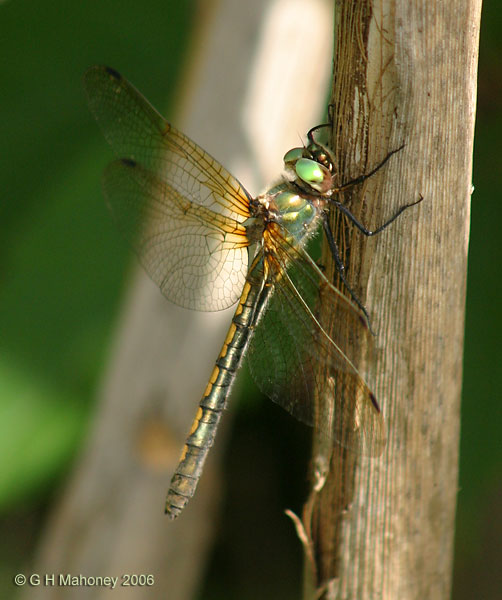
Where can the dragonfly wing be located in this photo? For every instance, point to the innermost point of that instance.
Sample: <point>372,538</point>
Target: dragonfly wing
<point>137,131</point>
<point>185,248</point>
<point>194,208</point>
<point>300,366</point>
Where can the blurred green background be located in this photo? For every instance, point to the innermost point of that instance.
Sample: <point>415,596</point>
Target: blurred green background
<point>63,268</point>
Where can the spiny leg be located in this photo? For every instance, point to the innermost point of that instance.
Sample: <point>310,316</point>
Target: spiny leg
<point>334,248</point>
<point>341,268</point>
<point>361,227</point>
<point>362,178</point>
<point>329,235</point>
<point>310,135</point>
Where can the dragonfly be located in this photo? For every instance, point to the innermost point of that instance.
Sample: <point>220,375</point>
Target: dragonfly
<point>192,225</point>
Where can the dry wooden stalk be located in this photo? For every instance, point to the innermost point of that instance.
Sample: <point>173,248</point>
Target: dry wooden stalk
<point>405,72</point>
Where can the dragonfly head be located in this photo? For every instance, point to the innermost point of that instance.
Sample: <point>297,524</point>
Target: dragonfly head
<point>312,165</point>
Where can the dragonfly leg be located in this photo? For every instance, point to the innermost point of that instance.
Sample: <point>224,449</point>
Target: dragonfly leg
<point>310,135</point>
<point>362,178</point>
<point>341,207</point>
<point>340,267</point>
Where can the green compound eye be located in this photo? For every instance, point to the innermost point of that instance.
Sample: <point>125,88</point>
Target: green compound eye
<point>292,156</point>
<point>309,171</point>
<point>313,173</point>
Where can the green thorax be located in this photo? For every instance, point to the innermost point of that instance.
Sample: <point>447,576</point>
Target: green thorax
<point>295,213</point>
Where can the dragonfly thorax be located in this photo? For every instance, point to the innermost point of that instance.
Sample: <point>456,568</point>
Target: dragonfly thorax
<point>293,211</point>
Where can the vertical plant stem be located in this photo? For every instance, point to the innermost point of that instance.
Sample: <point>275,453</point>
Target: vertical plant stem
<point>404,72</point>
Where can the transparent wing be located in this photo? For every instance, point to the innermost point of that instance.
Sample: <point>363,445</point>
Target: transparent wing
<point>185,248</point>
<point>300,366</point>
<point>178,207</point>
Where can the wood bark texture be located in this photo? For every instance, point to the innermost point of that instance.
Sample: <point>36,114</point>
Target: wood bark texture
<point>404,73</point>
